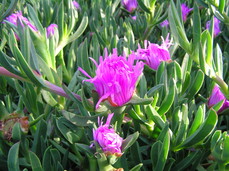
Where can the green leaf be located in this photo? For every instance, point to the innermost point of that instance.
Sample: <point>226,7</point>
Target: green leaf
<point>16,132</point>
<point>215,139</point>
<point>198,120</point>
<point>202,132</point>
<point>163,154</point>
<point>187,161</point>
<point>49,98</point>
<point>80,30</point>
<point>67,130</point>
<point>168,101</point>
<point>143,7</point>
<point>35,19</point>
<point>196,32</point>
<point>22,63</point>
<point>129,141</point>
<point>177,28</point>
<point>12,161</point>
<point>35,162</point>
<point>81,120</point>
<point>10,9</point>
<point>7,64</point>
<point>71,156</point>
<point>137,167</point>
<point>196,85</point>
<point>221,6</point>
<point>135,100</point>
<point>154,116</point>
<point>46,161</point>
<point>154,89</point>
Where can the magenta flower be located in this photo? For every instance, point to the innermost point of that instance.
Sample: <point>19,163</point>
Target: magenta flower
<point>153,54</point>
<point>134,17</point>
<point>216,97</point>
<point>116,78</point>
<point>130,5</point>
<point>216,26</point>
<point>107,138</point>
<point>76,5</point>
<point>165,23</point>
<point>18,15</point>
<point>185,11</point>
<point>50,30</point>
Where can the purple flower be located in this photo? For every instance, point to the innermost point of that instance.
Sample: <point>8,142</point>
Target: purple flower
<point>50,30</point>
<point>107,138</point>
<point>216,97</point>
<point>153,54</point>
<point>216,26</point>
<point>165,23</point>
<point>130,5</point>
<point>76,5</point>
<point>116,78</point>
<point>18,15</point>
<point>185,11</point>
<point>134,17</point>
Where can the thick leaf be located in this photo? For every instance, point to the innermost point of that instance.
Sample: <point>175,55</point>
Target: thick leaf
<point>154,89</point>
<point>198,120</point>
<point>163,154</point>
<point>136,100</point>
<point>196,84</point>
<point>137,167</point>
<point>35,162</point>
<point>81,120</point>
<point>202,132</point>
<point>168,101</point>
<point>12,161</point>
<point>129,141</point>
<point>143,7</point>
<point>187,161</point>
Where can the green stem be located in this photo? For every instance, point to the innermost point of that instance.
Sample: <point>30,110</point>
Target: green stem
<point>222,84</point>
<point>103,163</point>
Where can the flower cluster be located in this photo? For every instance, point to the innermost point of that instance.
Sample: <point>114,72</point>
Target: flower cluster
<point>153,54</point>
<point>216,97</point>
<point>116,78</point>
<point>107,138</point>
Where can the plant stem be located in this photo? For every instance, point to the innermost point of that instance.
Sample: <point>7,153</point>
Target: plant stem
<point>49,86</point>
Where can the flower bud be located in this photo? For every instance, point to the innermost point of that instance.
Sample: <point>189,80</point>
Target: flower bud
<point>216,26</point>
<point>130,5</point>
<point>51,30</point>
<point>154,54</point>
<point>107,138</point>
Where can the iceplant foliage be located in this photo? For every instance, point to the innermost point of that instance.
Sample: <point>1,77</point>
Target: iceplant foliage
<point>107,138</point>
<point>116,78</point>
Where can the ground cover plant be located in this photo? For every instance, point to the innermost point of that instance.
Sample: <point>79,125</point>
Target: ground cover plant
<point>114,85</point>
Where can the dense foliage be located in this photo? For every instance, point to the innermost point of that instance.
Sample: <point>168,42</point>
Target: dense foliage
<point>114,85</point>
